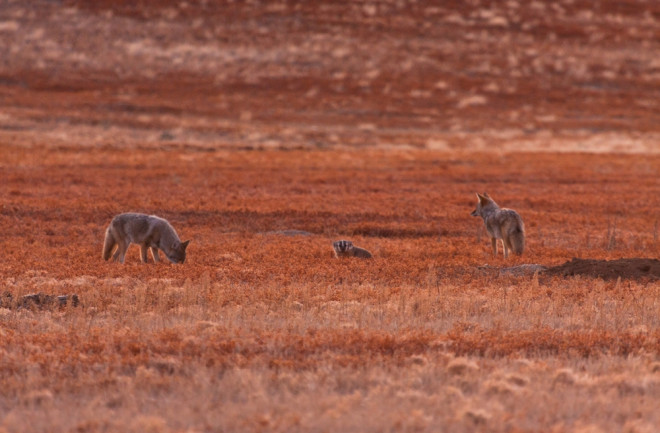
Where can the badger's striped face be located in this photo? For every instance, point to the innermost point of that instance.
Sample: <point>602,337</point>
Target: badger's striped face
<point>342,246</point>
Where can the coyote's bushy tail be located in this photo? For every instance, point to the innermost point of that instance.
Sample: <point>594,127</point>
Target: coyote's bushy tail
<point>108,244</point>
<point>517,240</point>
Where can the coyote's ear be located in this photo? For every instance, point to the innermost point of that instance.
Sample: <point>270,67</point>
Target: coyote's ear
<point>185,244</point>
<point>483,199</point>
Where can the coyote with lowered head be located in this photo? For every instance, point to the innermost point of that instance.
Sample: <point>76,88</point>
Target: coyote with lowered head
<point>148,231</point>
<point>347,249</point>
<point>503,224</point>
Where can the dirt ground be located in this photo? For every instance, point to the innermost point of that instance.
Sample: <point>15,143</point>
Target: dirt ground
<point>632,268</point>
<point>264,131</point>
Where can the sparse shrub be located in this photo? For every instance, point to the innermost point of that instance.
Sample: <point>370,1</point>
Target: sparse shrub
<point>478,417</point>
<point>517,379</point>
<point>42,397</point>
<point>149,424</point>
<point>499,387</point>
<point>461,366</point>
<point>564,376</point>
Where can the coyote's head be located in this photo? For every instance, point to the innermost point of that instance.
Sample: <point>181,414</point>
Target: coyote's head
<point>177,252</point>
<point>484,202</point>
<point>342,247</point>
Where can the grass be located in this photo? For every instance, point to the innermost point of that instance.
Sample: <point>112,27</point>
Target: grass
<point>258,331</point>
<point>264,332</point>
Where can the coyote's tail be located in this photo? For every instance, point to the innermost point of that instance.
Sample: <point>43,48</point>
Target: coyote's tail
<point>517,240</point>
<point>108,244</point>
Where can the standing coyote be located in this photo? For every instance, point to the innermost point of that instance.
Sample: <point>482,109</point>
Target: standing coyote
<point>347,249</point>
<point>503,224</point>
<point>148,231</point>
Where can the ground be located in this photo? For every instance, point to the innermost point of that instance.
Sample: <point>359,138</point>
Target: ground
<point>265,131</point>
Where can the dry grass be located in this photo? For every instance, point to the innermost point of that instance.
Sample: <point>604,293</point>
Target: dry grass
<point>388,117</point>
<point>265,332</point>
<point>516,75</point>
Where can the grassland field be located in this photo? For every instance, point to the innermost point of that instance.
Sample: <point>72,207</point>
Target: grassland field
<point>260,331</point>
<point>264,131</point>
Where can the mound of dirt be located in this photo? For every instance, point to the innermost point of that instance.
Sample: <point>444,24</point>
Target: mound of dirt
<point>627,269</point>
<point>524,269</point>
<point>518,271</point>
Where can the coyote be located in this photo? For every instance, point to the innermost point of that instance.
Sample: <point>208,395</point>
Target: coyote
<point>347,249</point>
<point>148,231</point>
<point>503,224</point>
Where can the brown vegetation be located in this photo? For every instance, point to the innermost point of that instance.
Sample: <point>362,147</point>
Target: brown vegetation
<point>281,335</point>
<point>264,133</point>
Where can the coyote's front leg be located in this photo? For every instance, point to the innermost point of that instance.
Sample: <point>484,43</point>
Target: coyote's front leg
<point>143,253</point>
<point>154,252</point>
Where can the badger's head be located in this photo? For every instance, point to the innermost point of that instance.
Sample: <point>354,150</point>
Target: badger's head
<point>342,247</point>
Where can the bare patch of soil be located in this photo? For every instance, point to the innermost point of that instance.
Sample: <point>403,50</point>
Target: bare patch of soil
<point>628,269</point>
